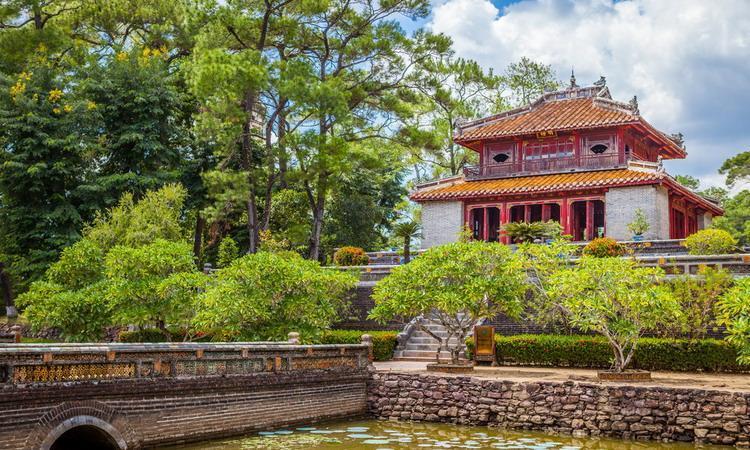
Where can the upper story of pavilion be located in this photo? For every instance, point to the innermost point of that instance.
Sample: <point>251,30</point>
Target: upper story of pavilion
<point>574,129</point>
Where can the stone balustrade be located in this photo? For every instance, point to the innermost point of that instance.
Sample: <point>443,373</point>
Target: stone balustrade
<point>50,363</point>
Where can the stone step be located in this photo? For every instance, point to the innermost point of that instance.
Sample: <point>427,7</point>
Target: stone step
<point>427,340</point>
<point>417,346</point>
<point>424,354</point>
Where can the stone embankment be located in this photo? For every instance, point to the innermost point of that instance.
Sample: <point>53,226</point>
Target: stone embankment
<point>577,408</point>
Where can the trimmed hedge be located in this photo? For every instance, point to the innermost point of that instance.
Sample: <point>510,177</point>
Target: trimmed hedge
<point>593,352</point>
<point>383,342</point>
<point>155,335</point>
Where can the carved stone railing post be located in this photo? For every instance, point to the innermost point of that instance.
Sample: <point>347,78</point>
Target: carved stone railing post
<point>367,340</point>
<point>16,330</point>
<point>293,337</point>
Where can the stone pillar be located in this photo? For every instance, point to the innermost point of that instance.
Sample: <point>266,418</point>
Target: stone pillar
<point>16,330</point>
<point>367,340</point>
<point>293,337</point>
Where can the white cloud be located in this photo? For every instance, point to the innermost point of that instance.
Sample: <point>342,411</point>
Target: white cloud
<point>688,61</point>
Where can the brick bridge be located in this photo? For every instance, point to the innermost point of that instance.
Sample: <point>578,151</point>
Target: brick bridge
<point>130,396</point>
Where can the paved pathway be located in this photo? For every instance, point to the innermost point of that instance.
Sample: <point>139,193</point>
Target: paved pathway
<point>724,381</point>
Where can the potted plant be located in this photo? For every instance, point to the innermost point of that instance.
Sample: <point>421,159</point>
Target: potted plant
<point>639,225</point>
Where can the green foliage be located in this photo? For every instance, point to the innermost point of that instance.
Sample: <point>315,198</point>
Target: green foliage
<point>264,296</point>
<point>613,297</point>
<point>138,109</point>
<point>156,216</point>
<point>603,248</point>
<point>42,167</point>
<point>350,256</point>
<point>640,224</point>
<point>541,262</point>
<point>228,252</point>
<point>383,342</point>
<point>736,218</point>
<point>124,271</point>
<point>594,352</point>
<point>520,232</point>
<point>141,286</point>
<point>528,80</point>
<point>457,283</point>
<point>688,181</point>
<point>736,168</point>
<point>733,311</point>
<point>290,218</point>
<point>711,241</point>
<point>697,297</point>
<point>407,231</point>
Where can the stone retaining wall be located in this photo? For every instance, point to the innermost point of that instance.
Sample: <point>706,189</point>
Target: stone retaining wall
<point>581,409</point>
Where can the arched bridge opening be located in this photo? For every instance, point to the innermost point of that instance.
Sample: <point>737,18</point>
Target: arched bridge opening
<point>85,436</point>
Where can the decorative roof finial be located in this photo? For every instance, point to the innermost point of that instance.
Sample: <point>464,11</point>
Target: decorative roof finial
<point>572,78</point>
<point>602,81</point>
<point>634,105</point>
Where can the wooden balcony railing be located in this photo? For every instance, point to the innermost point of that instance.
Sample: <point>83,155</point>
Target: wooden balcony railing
<point>545,165</point>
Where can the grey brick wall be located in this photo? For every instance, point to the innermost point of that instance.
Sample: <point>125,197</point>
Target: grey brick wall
<point>620,206</point>
<point>441,222</point>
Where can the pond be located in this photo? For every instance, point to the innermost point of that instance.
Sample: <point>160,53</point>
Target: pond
<point>382,435</point>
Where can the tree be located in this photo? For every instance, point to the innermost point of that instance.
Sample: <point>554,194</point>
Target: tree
<point>688,181</point>
<point>136,281</point>
<point>407,231</point>
<point>42,167</point>
<point>697,297</point>
<point>733,311</point>
<point>228,252</point>
<point>448,90</point>
<point>5,285</point>
<point>528,80</point>
<point>736,168</point>
<point>615,298</point>
<point>112,276</point>
<point>141,142</point>
<point>455,285</point>
<point>264,296</point>
<point>736,218</point>
<point>541,262</point>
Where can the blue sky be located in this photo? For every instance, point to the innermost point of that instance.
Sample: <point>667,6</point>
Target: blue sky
<point>688,61</point>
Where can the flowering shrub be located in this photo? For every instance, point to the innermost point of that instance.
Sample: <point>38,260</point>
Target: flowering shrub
<point>710,241</point>
<point>350,256</point>
<point>603,247</point>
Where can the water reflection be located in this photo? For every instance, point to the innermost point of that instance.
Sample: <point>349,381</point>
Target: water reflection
<point>383,435</point>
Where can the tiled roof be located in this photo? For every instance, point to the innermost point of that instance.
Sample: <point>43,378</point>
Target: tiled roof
<point>574,108</point>
<point>559,115</point>
<point>461,189</point>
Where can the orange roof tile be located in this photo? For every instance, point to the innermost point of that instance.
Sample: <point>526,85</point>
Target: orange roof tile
<point>461,189</point>
<point>559,115</point>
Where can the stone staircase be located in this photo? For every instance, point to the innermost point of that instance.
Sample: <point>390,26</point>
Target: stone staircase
<point>422,347</point>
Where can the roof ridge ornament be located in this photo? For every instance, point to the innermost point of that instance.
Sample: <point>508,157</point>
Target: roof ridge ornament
<point>602,81</point>
<point>634,105</point>
<point>573,84</point>
<point>678,139</point>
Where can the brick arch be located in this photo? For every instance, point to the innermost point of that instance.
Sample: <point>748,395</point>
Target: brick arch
<point>69,415</point>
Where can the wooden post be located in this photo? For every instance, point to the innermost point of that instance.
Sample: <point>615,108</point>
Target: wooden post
<point>564,216</point>
<point>526,213</point>
<point>485,226</point>
<point>546,212</point>
<point>589,220</point>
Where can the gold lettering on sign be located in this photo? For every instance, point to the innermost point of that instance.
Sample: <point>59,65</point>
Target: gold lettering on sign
<point>484,343</point>
<point>546,134</point>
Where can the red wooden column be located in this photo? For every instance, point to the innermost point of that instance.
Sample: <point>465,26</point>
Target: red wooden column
<point>589,220</point>
<point>546,211</point>
<point>526,213</point>
<point>485,228</point>
<point>564,217</point>
<point>503,221</point>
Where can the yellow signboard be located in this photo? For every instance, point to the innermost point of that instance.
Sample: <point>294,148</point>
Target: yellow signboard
<point>484,343</point>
